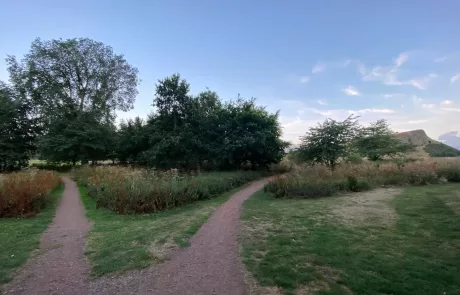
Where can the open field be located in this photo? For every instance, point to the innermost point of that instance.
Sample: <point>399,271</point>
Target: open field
<point>20,236</point>
<point>385,241</point>
<point>117,243</point>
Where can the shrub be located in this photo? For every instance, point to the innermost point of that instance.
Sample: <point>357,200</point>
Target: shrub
<point>52,167</point>
<point>22,194</point>
<point>127,190</point>
<point>317,181</point>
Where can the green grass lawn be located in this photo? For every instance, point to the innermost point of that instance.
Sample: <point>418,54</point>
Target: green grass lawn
<point>118,243</point>
<point>20,236</point>
<point>396,241</point>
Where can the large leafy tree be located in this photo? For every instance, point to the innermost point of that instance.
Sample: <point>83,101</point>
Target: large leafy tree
<point>132,140</point>
<point>18,129</point>
<point>378,141</point>
<point>249,134</point>
<point>74,83</point>
<point>329,142</point>
<point>196,131</point>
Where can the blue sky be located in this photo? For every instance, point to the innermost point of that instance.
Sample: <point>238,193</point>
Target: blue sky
<point>311,60</point>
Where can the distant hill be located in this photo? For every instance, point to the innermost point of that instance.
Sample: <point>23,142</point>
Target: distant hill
<point>423,143</point>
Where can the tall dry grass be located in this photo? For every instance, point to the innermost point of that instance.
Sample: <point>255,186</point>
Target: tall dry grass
<point>306,181</point>
<point>23,193</point>
<point>127,190</point>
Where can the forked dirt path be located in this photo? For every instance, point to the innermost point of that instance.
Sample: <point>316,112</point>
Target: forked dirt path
<point>60,266</point>
<point>211,265</point>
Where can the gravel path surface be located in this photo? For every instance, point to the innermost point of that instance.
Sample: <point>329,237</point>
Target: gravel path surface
<point>60,267</point>
<point>211,265</point>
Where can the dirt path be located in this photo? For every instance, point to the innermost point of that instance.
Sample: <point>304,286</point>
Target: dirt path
<point>60,267</point>
<point>211,265</point>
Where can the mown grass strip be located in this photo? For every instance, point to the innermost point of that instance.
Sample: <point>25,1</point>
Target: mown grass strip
<point>301,245</point>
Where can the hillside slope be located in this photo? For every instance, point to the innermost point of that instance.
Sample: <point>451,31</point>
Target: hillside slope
<point>426,145</point>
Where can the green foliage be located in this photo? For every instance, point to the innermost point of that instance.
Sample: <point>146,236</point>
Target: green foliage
<point>202,132</point>
<point>378,141</point>
<point>126,191</point>
<point>75,86</point>
<point>328,142</point>
<point>17,129</point>
<point>441,150</point>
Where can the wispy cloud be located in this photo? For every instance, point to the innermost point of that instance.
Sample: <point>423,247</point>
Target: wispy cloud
<point>388,75</point>
<point>401,59</point>
<point>321,102</point>
<point>318,68</point>
<point>351,91</point>
<point>441,58</point>
<point>373,110</point>
<point>455,78</point>
<point>304,79</point>
<point>417,121</point>
<point>447,102</point>
<point>451,109</point>
<point>422,82</point>
<point>428,105</point>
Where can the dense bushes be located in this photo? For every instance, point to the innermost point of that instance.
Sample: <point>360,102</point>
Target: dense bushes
<point>318,181</point>
<point>23,193</point>
<point>54,167</point>
<point>126,190</point>
<point>441,150</point>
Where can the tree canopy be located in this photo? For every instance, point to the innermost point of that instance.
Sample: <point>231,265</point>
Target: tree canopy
<point>329,141</point>
<point>63,99</point>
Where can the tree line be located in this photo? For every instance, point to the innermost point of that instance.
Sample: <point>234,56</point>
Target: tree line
<point>61,103</point>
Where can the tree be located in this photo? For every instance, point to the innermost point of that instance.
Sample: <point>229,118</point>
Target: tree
<point>190,131</point>
<point>75,85</point>
<point>328,142</point>
<point>249,134</point>
<point>17,129</point>
<point>378,141</point>
<point>132,140</point>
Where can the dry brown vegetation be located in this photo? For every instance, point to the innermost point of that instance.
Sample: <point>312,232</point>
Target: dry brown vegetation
<point>23,193</point>
<point>306,181</point>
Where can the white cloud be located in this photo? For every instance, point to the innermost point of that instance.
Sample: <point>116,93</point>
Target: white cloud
<point>428,106</point>
<point>304,79</point>
<point>451,109</point>
<point>401,59</point>
<point>373,110</point>
<point>417,121</point>
<point>318,68</point>
<point>321,102</point>
<point>446,102</point>
<point>441,58</point>
<point>455,78</point>
<point>388,75</point>
<point>350,90</point>
<point>421,83</point>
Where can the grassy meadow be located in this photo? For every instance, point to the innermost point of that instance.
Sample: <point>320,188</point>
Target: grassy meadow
<point>387,241</point>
